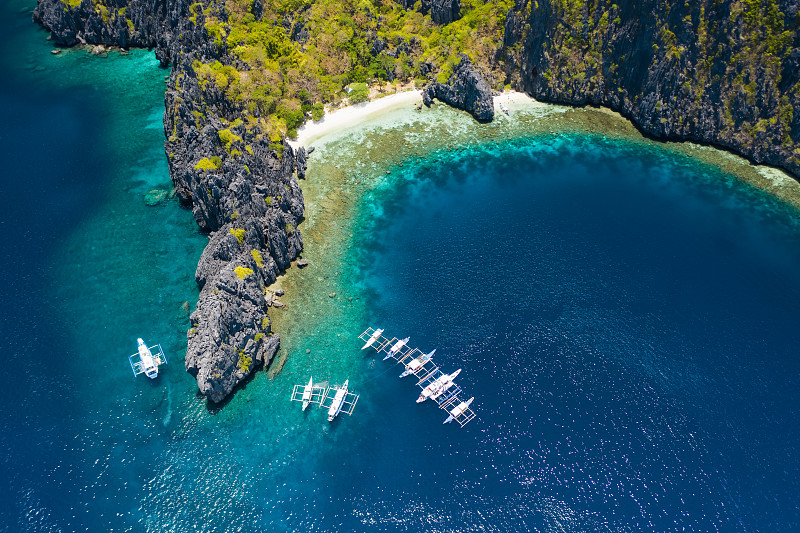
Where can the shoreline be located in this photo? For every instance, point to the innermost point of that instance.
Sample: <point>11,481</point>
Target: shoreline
<point>337,121</point>
<point>343,121</point>
<point>360,152</point>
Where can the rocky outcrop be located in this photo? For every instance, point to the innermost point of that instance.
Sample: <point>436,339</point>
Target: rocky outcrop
<point>241,187</point>
<point>466,89</point>
<point>441,11</point>
<point>165,26</point>
<point>720,72</point>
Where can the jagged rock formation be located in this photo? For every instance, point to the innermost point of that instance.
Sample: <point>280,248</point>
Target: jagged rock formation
<point>720,72</point>
<point>466,90</point>
<point>442,11</point>
<point>242,188</point>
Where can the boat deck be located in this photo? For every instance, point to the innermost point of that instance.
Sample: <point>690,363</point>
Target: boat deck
<point>136,360</point>
<point>317,392</point>
<point>426,373</point>
<point>348,402</point>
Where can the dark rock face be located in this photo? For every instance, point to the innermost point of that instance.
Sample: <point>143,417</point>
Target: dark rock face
<point>722,72</point>
<point>253,204</point>
<point>245,191</point>
<point>466,90</point>
<point>442,11</point>
<point>240,187</point>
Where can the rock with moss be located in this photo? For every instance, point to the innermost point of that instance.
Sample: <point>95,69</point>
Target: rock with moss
<point>441,11</point>
<point>467,89</point>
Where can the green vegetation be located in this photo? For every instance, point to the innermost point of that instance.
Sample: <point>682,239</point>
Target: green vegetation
<point>257,258</point>
<point>228,138</point>
<point>243,272</point>
<point>736,51</point>
<point>258,336</point>
<point>281,82</point>
<point>209,164</point>
<point>238,233</point>
<point>244,363</point>
<point>358,92</point>
<point>265,323</point>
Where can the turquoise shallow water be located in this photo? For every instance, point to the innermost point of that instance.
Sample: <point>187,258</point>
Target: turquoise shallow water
<point>624,317</point>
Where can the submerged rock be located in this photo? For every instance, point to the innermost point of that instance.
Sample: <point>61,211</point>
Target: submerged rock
<point>156,196</point>
<point>466,89</point>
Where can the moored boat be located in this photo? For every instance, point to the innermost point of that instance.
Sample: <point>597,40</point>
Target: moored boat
<point>417,362</point>
<point>437,384</point>
<point>458,410</point>
<point>336,405</point>
<point>372,339</point>
<point>146,361</point>
<point>307,393</point>
<point>396,348</point>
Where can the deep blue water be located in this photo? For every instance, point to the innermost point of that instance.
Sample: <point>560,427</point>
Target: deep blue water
<point>625,318</point>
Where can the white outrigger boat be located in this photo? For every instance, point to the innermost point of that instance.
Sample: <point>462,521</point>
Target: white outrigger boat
<point>417,363</point>
<point>336,405</point>
<point>444,388</point>
<point>458,411</point>
<point>396,348</point>
<point>372,339</point>
<point>147,360</point>
<point>503,108</point>
<point>433,382</point>
<point>308,394</point>
<point>343,401</point>
<point>434,388</point>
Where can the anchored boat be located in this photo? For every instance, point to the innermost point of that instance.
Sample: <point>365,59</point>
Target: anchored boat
<point>342,401</point>
<point>336,405</point>
<point>307,392</point>
<point>458,411</point>
<point>441,384</point>
<point>396,348</point>
<point>372,339</point>
<point>147,360</point>
<point>417,362</point>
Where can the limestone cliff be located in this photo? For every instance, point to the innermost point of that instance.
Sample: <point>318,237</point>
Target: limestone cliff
<point>466,89</point>
<point>241,185</point>
<point>715,71</point>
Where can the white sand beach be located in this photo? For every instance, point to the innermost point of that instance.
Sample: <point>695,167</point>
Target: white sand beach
<point>340,120</point>
<point>347,117</point>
